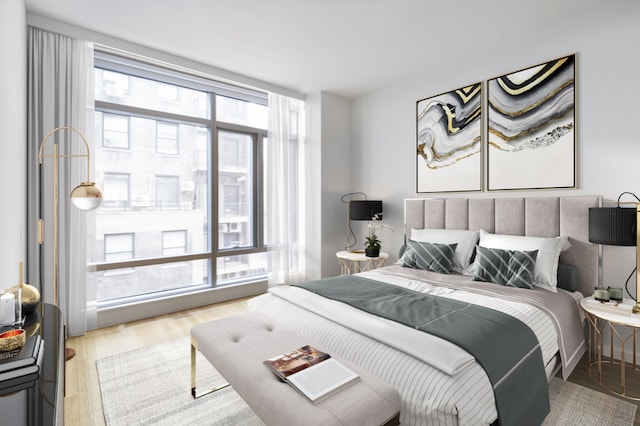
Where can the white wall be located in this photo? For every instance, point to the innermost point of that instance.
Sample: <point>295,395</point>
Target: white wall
<point>13,145</point>
<point>605,42</point>
<point>336,177</point>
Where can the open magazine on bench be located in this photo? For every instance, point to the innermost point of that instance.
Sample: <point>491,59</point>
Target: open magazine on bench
<point>312,372</point>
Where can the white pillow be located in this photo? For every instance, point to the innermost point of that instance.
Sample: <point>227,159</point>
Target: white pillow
<point>466,241</point>
<point>549,249</point>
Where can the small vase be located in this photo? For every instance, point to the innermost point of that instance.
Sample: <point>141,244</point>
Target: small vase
<point>30,296</point>
<point>372,252</point>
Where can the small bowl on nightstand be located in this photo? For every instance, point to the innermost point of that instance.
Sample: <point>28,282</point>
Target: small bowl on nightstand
<point>12,340</point>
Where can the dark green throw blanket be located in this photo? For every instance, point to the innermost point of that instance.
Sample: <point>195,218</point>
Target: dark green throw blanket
<point>504,346</point>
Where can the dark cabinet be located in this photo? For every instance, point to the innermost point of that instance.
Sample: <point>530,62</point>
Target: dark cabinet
<point>42,403</point>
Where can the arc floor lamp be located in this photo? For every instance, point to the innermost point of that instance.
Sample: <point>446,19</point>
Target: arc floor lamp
<point>85,196</point>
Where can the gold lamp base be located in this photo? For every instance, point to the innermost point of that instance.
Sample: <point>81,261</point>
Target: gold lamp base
<point>69,353</point>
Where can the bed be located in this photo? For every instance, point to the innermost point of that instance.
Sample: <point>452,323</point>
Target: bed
<point>440,383</point>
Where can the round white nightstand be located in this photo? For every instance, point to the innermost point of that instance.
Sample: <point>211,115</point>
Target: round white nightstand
<point>601,316</point>
<point>352,262</point>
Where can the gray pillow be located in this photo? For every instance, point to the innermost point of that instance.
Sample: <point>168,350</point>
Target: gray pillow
<point>507,267</point>
<point>430,256</point>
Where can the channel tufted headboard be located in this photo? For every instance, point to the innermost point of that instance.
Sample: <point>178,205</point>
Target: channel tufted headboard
<point>534,217</point>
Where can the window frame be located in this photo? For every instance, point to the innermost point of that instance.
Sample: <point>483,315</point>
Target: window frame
<point>134,67</point>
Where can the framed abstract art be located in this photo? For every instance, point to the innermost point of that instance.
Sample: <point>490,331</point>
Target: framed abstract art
<point>449,135</point>
<point>531,118</point>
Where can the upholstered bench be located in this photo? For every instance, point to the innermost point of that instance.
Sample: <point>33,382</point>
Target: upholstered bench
<point>236,347</point>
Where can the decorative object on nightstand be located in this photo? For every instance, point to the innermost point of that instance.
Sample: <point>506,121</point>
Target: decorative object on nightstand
<point>373,244</point>
<point>29,295</point>
<point>617,226</point>
<point>12,340</point>
<point>359,210</point>
<point>10,308</point>
<point>85,196</point>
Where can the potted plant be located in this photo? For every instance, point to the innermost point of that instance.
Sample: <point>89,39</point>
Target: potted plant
<point>372,244</point>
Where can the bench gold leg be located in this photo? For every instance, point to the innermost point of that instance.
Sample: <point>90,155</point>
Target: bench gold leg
<point>194,348</point>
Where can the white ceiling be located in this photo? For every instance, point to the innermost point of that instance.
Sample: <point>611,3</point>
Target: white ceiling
<point>347,47</point>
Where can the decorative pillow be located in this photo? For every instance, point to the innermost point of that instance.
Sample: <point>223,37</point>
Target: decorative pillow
<point>568,278</point>
<point>432,257</point>
<point>466,241</point>
<point>507,267</point>
<point>549,249</point>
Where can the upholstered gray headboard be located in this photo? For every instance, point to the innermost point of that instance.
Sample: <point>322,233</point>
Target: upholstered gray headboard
<point>535,217</point>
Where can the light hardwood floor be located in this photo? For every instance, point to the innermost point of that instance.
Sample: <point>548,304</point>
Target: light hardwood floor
<point>82,402</point>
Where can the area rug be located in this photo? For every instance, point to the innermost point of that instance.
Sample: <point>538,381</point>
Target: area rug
<point>151,386</point>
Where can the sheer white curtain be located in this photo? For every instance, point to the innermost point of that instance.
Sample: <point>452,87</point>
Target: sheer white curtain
<point>284,190</point>
<point>60,93</point>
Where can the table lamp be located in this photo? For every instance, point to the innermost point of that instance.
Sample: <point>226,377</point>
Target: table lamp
<point>617,226</point>
<point>359,210</point>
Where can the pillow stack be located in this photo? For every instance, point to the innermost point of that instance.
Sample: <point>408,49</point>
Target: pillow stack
<point>546,262</point>
<point>511,260</point>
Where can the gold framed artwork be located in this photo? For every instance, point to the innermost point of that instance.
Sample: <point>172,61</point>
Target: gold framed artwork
<point>449,136</point>
<point>531,142</point>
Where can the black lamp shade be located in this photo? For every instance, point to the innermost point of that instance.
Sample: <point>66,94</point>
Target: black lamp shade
<point>364,209</point>
<point>615,226</point>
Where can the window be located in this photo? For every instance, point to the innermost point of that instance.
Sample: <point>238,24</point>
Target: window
<point>238,111</point>
<point>167,138</point>
<point>116,190</point>
<point>174,242</point>
<point>179,160</point>
<point>118,247</point>
<point>115,132</point>
<point>167,191</point>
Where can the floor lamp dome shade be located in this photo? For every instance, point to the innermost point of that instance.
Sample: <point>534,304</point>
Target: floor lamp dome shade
<point>86,196</point>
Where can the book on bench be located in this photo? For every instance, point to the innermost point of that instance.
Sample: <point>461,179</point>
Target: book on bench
<point>312,372</point>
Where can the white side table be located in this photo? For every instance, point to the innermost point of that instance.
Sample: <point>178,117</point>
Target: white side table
<point>603,316</point>
<point>352,262</point>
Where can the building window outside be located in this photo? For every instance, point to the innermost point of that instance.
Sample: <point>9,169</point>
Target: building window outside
<point>171,141</point>
<point>167,138</point>
<point>167,191</point>
<point>116,190</point>
<point>118,247</point>
<point>174,242</point>
<point>115,132</point>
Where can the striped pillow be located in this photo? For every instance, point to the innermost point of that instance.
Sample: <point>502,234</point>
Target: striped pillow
<point>507,267</point>
<point>430,256</point>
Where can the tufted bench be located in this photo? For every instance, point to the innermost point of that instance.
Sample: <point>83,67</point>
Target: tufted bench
<point>236,347</point>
